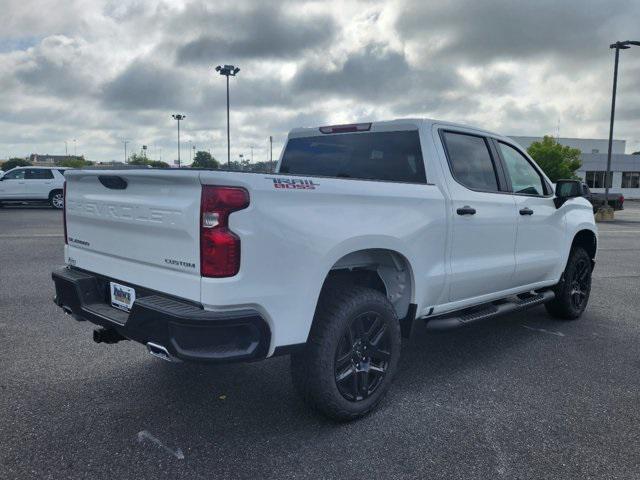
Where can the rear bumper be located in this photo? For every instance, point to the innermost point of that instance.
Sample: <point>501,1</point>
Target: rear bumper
<point>183,328</point>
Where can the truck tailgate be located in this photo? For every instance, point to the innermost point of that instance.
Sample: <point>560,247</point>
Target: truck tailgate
<point>138,226</point>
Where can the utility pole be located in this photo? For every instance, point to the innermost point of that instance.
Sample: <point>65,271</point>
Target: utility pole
<point>66,149</point>
<point>179,117</point>
<point>251,153</point>
<point>271,151</point>
<point>125,141</point>
<point>228,71</point>
<point>75,150</point>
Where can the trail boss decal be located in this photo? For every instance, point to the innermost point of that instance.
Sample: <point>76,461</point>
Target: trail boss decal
<point>293,183</point>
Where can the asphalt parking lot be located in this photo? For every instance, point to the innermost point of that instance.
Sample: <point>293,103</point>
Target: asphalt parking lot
<point>521,396</point>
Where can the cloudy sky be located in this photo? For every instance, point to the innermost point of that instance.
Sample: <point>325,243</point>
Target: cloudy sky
<point>100,72</point>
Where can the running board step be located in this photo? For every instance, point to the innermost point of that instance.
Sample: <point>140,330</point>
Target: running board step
<point>484,312</point>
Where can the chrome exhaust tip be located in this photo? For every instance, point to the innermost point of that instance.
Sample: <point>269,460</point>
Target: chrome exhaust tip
<point>160,352</point>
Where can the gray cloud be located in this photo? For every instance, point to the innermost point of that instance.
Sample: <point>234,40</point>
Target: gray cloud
<point>104,70</point>
<point>365,74</point>
<point>265,31</point>
<point>144,85</point>
<point>480,32</point>
<point>374,73</point>
<point>55,66</point>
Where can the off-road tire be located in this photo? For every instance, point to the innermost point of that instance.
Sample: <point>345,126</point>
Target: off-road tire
<point>575,284</point>
<point>314,370</point>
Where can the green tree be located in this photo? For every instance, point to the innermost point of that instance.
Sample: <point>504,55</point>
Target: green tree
<point>141,160</point>
<point>158,164</point>
<point>74,162</point>
<point>261,167</point>
<point>15,162</point>
<point>137,159</point>
<point>636,153</point>
<point>557,161</point>
<point>205,160</point>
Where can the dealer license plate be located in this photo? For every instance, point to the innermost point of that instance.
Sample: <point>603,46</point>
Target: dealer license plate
<point>122,297</point>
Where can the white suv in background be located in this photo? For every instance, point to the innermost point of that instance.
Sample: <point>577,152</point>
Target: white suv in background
<point>33,184</point>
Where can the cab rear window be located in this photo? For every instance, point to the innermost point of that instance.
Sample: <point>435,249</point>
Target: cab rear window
<point>387,156</point>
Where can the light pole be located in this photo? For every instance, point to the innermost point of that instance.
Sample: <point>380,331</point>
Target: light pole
<point>271,151</point>
<point>618,46</point>
<point>75,150</point>
<point>178,117</point>
<point>228,71</point>
<point>125,141</point>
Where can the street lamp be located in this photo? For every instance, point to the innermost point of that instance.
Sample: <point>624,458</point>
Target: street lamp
<point>618,46</point>
<point>271,152</point>
<point>178,117</point>
<point>228,71</point>
<point>125,141</point>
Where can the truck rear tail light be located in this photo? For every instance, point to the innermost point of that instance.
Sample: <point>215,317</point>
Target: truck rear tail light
<point>219,246</point>
<point>64,211</point>
<point>352,127</point>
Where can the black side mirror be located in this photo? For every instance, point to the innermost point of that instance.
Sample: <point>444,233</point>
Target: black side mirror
<point>566,189</point>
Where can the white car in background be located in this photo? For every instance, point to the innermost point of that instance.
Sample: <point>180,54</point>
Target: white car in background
<point>33,184</point>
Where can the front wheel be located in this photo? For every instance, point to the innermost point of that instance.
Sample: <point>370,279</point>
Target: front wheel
<point>351,355</point>
<point>56,199</point>
<point>572,293</point>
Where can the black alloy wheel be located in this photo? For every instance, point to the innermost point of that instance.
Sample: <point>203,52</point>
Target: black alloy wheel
<point>580,284</point>
<point>362,357</point>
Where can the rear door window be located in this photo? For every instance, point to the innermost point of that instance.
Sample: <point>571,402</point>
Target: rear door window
<point>39,174</point>
<point>470,161</point>
<point>388,156</point>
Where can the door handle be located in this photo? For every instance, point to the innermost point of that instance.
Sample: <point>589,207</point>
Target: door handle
<point>526,211</point>
<point>466,210</point>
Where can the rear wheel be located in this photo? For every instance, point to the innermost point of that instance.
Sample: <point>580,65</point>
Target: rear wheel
<point>572,293</point>
<point>352,353</point>
<point>56,199</point>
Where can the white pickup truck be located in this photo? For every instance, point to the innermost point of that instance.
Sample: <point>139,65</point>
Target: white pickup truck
<point>363,229</point>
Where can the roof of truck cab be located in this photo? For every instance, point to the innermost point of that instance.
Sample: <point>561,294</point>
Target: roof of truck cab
<point>393,125</point>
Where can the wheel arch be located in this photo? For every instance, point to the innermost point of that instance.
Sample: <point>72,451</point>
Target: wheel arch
<point>588,240</point>
<point>382,269</point>
<point>54,191</point>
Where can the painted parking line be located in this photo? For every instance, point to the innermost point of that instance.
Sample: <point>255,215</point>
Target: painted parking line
<point>144,435</point>
<point>543,330</point>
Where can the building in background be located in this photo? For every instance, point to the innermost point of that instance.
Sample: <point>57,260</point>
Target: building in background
<point>625,169</point>
<point>46,160</point>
